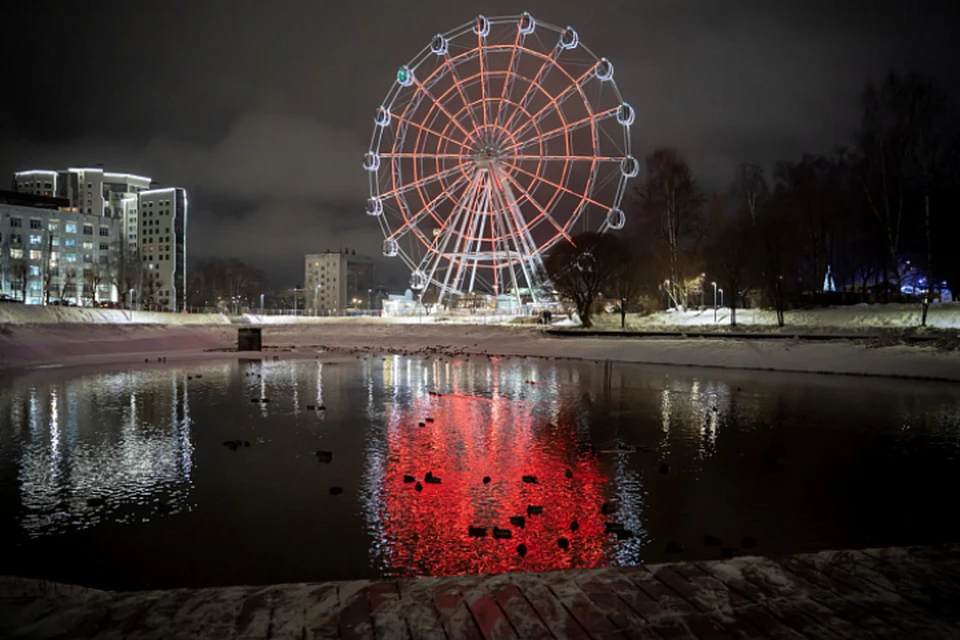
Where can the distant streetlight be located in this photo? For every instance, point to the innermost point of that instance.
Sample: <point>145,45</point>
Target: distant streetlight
<point>261,304</point>
<point>721,297</point>
<point>702,276</point>
<point>714,302</point>
<point>130,299</point>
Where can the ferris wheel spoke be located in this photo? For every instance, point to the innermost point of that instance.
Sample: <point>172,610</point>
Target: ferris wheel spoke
<point>440,106</point>
<point>508,79</point>
<point>425,156</point>
<point>534,82</point>
<point>566,129</point>
<point>428,208</point>
<point>582,196</point>
<point>459,83</point>
<point>532,200</point>
<point>521,157</point>
<point>556,101</point>
<point>417,125</point>
<point>420,183</point>
<point>483,78</point>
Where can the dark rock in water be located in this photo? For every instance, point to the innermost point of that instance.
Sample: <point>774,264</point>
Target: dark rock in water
<point>325,456</point>
<point>231,444</point>
<point>518,521</point>
<point>321,408</point>
<point>421,424</point>
<point>613,527</point>
<point>477,532</point>
<point>409,479</point>
<point>146,359</point>
<point>428,476</point>
<point>563,543</point>
<point>432,480</point>
<point>534,510</point>
<point>568,473</point>
<point>309,407</point>
<point>712,541</point>
<point>502,534</point>
<point>429,419</point>
<point>521,550</point>
<point>96,502</point>
<point>265,400</point>
<point>674,547</point>
<point>418,487</point>
<point>748,542</point>
<point>530,479</point>
<point>198,376</point>
<point>246,443</point>
<point>574,526</point>
<point>335,491</point>
<point>486,479</point>
<point>664,467</point>
<point>728,552</point>
<point>254,399</point>
<point>608,507</point>
<point>189,377</point>
<point>625,534</point>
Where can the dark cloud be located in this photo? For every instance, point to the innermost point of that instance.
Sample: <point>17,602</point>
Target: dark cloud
<point>262,110</point>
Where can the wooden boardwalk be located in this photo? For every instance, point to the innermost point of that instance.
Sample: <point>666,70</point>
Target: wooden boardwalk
<point>877,593</point>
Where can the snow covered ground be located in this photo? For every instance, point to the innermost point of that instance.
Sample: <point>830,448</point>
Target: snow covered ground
<point>64,344</point>
<point>855,317</point>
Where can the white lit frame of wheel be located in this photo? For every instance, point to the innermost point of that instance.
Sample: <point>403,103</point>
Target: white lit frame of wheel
<point>500,139</point>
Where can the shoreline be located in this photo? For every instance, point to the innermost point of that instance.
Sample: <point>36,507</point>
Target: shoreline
<point>37,347</point>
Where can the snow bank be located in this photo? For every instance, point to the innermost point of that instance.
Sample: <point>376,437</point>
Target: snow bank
<point>16,314</point>
<point>861,316</point>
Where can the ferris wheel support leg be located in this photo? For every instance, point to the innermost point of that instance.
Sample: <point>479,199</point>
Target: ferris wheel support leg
<point>459,246</point>
<point>515,233</point>
<point>468,248</point>
<point>521,235</point>
<point>453,221</point>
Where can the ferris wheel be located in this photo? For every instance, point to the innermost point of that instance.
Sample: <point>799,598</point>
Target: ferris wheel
<point>501,138</point>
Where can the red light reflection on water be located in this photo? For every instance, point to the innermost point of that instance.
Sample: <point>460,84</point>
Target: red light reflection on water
<point>426,533</point>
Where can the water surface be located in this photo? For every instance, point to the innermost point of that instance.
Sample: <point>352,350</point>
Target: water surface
<point>120,478</point>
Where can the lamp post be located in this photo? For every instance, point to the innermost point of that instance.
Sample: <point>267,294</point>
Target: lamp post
<point>714,302</point>
<point>261,304</point>
<point>702,276</point>
<point>294,301</point>
<point>721,297</point>
<point>666,288</point>
<point>130,299</point>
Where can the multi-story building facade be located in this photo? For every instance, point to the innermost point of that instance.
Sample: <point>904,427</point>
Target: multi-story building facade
<point>335,281</point>
<point>120,197</point>
<point>51,252</point>
<point>162,215</point>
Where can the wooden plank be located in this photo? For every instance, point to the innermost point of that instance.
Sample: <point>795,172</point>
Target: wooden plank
<point>388,620</point>
<point>522,616</point>
<point>630,623</point>
<point>936,597</point>
<point>448,598</point>
<point>321,612</point>
<point>355,621</point>
<point>490,619</point>
<point>559,621</point>
<point>416,597</point>
<point>574,600</point>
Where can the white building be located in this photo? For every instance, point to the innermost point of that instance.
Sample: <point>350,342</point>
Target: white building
<point>325,283</point>
<point>162,216</point>
<point>50,252</point>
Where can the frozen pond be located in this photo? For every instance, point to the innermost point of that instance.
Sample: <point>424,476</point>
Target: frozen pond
<point>121,477</point>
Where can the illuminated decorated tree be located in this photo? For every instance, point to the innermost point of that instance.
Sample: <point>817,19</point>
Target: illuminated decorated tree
<point>499,140</point>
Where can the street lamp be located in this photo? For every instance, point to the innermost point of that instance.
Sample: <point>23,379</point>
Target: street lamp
<point>261,304</point>
<point>714,302</point>
<point>721,297</point>
<point>130,299</point>
<point>702,276</point>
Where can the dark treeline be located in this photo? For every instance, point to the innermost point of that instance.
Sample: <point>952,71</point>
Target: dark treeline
<point>216,283</point>
<point>880,217</point>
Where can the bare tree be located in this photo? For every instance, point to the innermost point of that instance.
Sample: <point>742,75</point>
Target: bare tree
<point>49,268</point>
<point>149,286</point>
<point>19,271</point>
<point>581,270</point>
<point>750,189</point>
<point>68,282</point>
<point>670,202</point>
<point>728,250</point>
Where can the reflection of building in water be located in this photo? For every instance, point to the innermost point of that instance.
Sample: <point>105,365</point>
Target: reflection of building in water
<point>98,444</point>
<point>498,419</point>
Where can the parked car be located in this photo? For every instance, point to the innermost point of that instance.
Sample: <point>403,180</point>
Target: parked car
<point>5,298</point>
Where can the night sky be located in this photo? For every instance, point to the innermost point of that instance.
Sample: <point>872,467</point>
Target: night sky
<point>262,110</point>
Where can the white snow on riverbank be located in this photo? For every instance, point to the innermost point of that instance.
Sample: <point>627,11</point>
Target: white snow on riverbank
<point>33,345</point>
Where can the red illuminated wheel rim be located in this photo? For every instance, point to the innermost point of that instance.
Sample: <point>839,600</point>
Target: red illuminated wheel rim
<point>500,139</point>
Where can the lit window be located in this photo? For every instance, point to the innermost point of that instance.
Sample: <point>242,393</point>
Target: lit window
<point>36,239</point>
<point>35,255</point>
<point>88,245</point>
<point>70,257</point>
<point>34,270</point>
<point>16,254</point>
<point>87,258</point>
<point>70,227</point>
<point>69,242</point>
<point>53,225</point>
<point>55,241</point>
